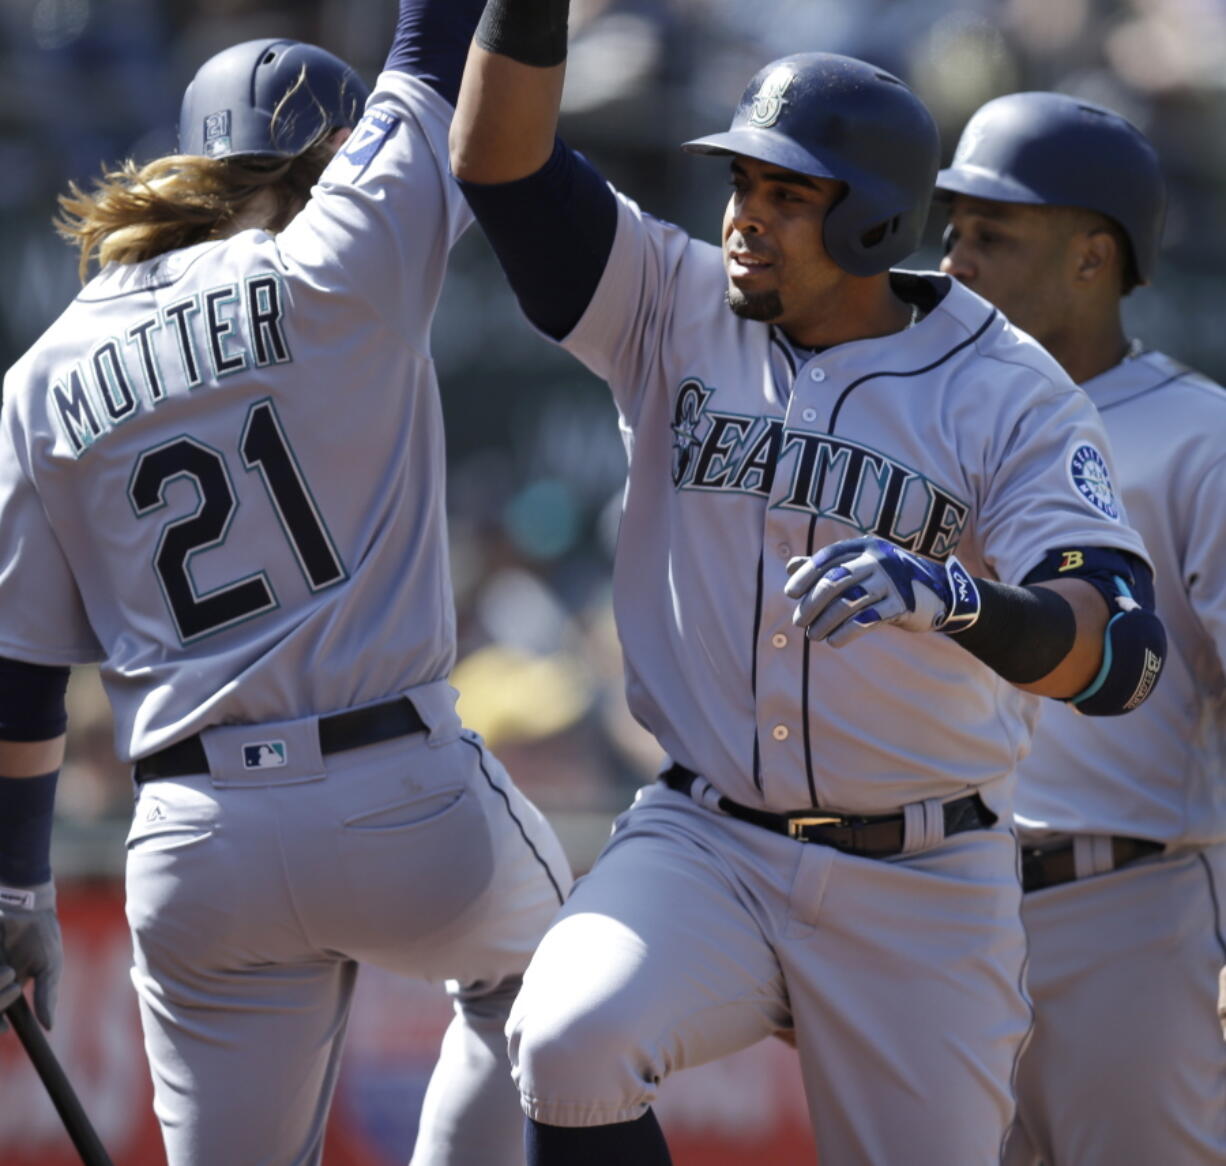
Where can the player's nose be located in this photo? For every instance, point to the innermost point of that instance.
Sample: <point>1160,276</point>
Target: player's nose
<point>956,261</point>
<point>745,215</point>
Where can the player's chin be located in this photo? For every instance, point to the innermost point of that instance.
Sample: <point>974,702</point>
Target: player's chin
<point>761,305</point>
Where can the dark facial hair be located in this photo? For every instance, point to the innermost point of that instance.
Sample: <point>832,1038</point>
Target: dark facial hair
<point>754,306</point>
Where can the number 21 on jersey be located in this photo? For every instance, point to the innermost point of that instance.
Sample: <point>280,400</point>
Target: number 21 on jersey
<point>262,445</point>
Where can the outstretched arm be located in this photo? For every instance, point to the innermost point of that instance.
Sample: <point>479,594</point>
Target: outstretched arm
<point>550,218</point>
<point>507,115</point>
<point>432,39</point>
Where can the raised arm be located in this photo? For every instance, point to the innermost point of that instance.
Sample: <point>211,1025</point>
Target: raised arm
<point>549,216</point>
<point>507,116</point>
<point>432,39</point>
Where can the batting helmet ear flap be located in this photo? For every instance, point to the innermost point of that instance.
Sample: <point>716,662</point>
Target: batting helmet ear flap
<point>870,233</point>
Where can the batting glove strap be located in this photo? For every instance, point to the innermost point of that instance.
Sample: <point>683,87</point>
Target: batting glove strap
<point>964,601</point>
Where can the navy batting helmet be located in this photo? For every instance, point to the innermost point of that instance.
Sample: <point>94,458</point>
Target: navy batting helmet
<point>831,116</point>
<point>268,98</point>
<point>1052,149</point>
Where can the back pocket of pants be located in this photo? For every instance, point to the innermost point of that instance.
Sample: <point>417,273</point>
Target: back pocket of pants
<point>414,866</point>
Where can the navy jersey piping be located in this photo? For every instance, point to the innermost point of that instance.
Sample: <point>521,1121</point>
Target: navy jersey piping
<point>834,417</point>
<point>806,730</point>
<point>838,405</point>
<point>1219,922</point>
<point>783,348</point>
<point>144,289</point>
<point>1021,987</point>
<point>1178,376</point>
<point>753,674</point>
<point>523,833</point>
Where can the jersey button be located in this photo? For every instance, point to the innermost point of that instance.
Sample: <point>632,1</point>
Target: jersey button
<point>809,414</point>
<point>779,640</point>
<point>785,551</point>
<point>817,374</point>
<point>780,732</point>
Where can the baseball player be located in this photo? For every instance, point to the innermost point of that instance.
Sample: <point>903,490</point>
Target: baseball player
<point>221,476</point>
<point>838,589</point>
<point>1055,212</point>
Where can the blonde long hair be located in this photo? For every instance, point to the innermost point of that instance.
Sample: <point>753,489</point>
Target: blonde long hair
<point>135,213</point>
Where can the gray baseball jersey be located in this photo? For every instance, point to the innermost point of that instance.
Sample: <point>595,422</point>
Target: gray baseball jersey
<point>1161,774</point>
<point>962,433</point>
<point>1126,1064</point>
<point>215,556</point>
<point>221,476</point>
<point>696,934</point>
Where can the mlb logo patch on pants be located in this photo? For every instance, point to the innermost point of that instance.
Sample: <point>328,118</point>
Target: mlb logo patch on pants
<point>264,755</point>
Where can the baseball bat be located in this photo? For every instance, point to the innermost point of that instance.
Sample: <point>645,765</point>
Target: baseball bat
<point>63,1097</point>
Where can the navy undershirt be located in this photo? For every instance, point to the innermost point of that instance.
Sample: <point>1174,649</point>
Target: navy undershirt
<point>553,233</point>
<point>31,700</point>
<point>432,39</point>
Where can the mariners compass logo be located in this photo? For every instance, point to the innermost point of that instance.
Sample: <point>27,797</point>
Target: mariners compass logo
<point>770,99</point>
<point>1088,470</point>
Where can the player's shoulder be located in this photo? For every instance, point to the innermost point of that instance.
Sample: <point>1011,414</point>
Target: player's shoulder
<point>405,122</point>
<point>1180,412</point>
<point>119,293</point>
<point>121,281</point>
<point>662,234</point>
<point>1150,380</point>
<point>396,91</point>
<point>989,352</point>
<point>683,266</point>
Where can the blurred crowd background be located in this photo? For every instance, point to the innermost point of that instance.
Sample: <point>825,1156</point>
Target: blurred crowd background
<point>536,463</point>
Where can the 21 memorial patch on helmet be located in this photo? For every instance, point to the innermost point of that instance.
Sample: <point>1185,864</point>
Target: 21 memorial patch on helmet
<point>1088,471</point>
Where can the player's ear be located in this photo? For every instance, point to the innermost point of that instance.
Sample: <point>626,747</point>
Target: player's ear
<point>1098,255</point>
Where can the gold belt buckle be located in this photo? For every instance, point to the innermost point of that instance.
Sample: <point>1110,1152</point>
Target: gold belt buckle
<point>796,825</point>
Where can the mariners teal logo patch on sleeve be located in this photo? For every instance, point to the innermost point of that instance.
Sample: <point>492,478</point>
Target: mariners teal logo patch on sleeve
<point>1088,471</point>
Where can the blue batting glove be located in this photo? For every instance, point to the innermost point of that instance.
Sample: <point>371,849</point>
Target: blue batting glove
<point>852,586</point>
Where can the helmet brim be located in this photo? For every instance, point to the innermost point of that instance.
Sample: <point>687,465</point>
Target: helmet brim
<point>976,183</point>
<point>763,146</point>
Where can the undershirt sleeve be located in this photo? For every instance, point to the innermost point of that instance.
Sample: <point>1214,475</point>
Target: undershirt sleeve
<point>432,40</point>
<point>552,232</point>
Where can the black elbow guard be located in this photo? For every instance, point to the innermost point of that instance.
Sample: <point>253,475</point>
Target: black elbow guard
<point>1134,648</point>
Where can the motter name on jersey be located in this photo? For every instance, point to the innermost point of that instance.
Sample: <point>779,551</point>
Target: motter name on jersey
<point>202,337</point>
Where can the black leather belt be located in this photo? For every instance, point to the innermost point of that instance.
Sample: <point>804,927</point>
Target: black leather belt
<point>1052,865</point>
<point>337,732</point>
<point>870,836</point>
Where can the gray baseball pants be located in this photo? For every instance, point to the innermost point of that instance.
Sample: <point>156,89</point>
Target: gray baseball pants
<point>1126,1065</point>
<point>696,935</point>
<point>253,898</point>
